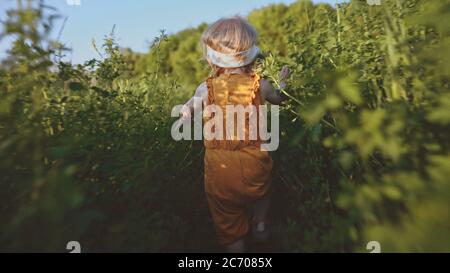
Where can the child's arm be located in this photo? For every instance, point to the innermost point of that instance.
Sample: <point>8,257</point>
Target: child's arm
<point>200,97</point>
<point>270,93</point>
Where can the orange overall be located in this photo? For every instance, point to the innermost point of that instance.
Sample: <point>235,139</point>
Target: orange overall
<point>237,172</point>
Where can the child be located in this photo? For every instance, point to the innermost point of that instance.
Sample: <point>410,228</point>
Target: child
<point>237,172</point>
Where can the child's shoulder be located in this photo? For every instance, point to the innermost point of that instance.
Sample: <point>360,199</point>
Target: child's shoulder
<point>202,89</point>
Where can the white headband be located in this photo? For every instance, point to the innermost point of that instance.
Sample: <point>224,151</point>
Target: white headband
<point>232,60</point>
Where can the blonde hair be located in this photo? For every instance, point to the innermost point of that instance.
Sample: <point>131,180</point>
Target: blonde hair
<point>228,36</point>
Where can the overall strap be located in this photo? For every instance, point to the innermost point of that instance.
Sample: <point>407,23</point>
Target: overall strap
<point>256,88</point>
<point>209,85</point>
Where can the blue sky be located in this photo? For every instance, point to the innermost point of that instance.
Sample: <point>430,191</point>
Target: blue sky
<point>137,21</point>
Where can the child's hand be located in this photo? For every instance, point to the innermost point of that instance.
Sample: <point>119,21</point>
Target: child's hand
<point>284,73</point>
